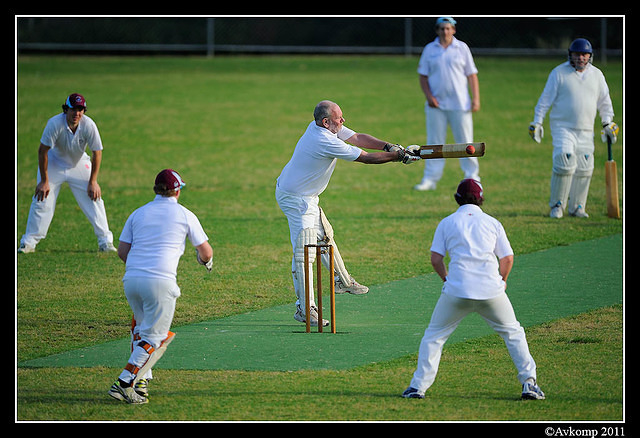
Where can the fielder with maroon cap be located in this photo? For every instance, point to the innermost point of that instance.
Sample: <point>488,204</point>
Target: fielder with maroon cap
<point>481,260</point>
<point>62,159</point>
<point>151,244</point>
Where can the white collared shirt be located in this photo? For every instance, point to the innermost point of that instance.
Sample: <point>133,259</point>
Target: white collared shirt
<point>448,70</point>
<point>157,232</point>
<point>474,241</point>
<point>314,159</point>
<point>67,148</point>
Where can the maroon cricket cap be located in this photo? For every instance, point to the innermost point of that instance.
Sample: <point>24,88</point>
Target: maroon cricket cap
<point>74,100</point>
<point>170,179</point>
<point>470,187</point>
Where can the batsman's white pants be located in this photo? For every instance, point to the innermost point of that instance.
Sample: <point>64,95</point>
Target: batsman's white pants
<point>302,212</point>
<point>153,302</point>
<point>41,212</point>
<point>461,123</point>
<point>448,313</point>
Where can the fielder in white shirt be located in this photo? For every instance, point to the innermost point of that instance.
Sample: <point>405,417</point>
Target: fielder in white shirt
<point>62,159</point>
<point>574,91</point>
<point>447,75</point>
<point>151,244</point>
<point>306,176</point>
<point>481,259</point>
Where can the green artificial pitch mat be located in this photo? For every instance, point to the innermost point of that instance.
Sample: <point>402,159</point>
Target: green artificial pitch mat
<point>386,323</point>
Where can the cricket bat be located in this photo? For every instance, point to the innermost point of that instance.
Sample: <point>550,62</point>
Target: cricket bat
<point>456,150</point>
<point>611,175</point>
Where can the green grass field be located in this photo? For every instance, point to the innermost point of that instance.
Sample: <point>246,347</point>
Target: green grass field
<point>228,125</point>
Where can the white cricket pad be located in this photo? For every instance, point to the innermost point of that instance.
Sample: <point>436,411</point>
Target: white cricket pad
<point>338,263</point>
<point>154,357</point>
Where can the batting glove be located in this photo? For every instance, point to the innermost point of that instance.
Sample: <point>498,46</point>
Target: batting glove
<point>609,130</point>
<point>392,147</point>
<point>536,131</point>
<point>414,149</point>
<point>407,157</point>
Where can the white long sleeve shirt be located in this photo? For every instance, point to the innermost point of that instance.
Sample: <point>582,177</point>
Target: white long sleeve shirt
<point>574,97</point>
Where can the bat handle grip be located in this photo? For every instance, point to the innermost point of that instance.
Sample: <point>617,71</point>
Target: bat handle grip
<point>609,148</point>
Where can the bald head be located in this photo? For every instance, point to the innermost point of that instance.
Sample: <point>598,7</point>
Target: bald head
<point>323,110</point>
<point>328,115</point>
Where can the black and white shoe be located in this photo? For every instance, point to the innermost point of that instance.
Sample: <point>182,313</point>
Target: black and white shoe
<point>127,394</point>
<point>531,391</point>
<point>412,393</point>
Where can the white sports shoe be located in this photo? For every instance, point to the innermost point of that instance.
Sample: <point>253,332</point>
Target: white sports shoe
<point>425,185</point>
<point>556,212</point>
<point>128,395</point>
<point>579,212</point>
<point>531,391</point>
<point>354,288</point>
<point>301,317</point>
<point>24,249</point>
<point>107,247</point>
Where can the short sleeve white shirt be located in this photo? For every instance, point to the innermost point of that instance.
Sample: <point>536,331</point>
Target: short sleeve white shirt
<point>157,232</point>
<point>314,160</point>
<point>474,241</point>
<point>67,147</point>
<point>448,70</point>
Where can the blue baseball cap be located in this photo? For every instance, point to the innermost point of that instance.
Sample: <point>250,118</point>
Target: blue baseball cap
<point>449,20</point>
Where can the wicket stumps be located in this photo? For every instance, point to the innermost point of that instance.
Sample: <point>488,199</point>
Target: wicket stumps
<point>319,250</point>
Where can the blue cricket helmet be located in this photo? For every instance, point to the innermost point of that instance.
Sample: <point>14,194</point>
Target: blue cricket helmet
<point>581,45</point>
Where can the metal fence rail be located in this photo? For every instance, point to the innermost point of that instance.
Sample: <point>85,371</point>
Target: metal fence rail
<point>497,36</point>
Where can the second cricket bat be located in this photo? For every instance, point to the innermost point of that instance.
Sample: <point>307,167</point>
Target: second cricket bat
<point>611,175</point>
<point>455,150</point>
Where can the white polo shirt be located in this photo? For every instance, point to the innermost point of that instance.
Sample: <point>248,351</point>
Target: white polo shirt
<point>157,232</point>
<point>447,70</point>
<point>67,148</point>
<point>473,240</point>
<point>314,160</point>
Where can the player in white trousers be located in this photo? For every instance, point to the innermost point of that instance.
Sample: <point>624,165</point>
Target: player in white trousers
<point>151,244</point>
<point>481,259</point>
<point>447,73</point>
<point>62,159</point>
<point>306,176</point>
<point>574,91</point>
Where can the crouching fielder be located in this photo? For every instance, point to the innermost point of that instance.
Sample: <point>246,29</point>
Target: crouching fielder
<point>151,244</point>
<point>481,260</point>
<point>574,91</point>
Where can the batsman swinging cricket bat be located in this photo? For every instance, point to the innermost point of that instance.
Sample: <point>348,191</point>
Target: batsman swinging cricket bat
<point>456,150</point>
<point>611,175</point>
